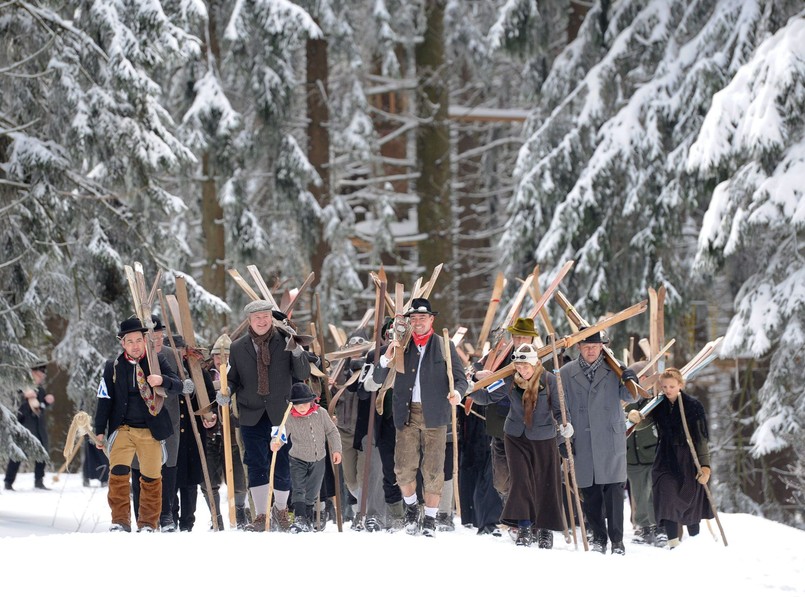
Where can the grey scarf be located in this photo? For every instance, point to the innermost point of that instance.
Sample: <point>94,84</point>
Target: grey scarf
<point>589,369</point>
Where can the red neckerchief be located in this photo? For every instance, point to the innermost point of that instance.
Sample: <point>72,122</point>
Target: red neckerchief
<point>131,360</point>
<point>314,408</point>
<point>420,341</point>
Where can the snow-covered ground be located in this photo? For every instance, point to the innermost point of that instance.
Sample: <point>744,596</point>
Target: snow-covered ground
<point>60,537</point>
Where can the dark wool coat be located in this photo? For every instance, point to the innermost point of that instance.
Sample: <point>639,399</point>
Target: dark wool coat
<point>188,460</point>
<point>112,408</point>
<point>678,496</point>
<point>433,383</point>
<point>282,371</point>
<point>35,423</point>
<point>599,423</point>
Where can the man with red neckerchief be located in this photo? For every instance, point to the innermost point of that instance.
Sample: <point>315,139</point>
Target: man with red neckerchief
<point>422,405</point>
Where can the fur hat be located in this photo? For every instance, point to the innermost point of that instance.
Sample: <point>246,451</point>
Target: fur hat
<point>420,305</point>
<point>301,393</point>
<point>525,353</point>
<point>523,326</point>
<point>596,338</point>
<point>132,324</point>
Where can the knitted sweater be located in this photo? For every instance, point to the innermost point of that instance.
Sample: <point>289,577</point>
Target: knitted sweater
<point>308,434</point>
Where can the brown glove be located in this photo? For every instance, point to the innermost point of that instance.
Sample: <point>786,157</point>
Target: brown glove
<point>704,477</point>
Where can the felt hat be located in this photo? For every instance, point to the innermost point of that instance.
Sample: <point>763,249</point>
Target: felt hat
<point>525,353</point>
<point>596,338</point>
<point>523,326</point>
<point>39,366</point>
<point>301,393</point>
<point>158,326</point>
<point>178,341</point>
<point>420,305</point>
<point>132,324</point>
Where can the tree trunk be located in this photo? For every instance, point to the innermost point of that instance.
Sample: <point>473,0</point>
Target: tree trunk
<point>435,217</point>
<point>212,213</point>
<point>318,133</point>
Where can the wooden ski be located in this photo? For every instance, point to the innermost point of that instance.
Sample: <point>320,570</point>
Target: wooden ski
<point>142,309</point>
<point>250,292</point>
<point>491,310</point>
<point>193,354</point>
<point>400,326</point>
<point>229,469</point>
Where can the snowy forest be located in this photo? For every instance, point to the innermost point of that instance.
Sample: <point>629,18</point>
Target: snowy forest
<point>652,142</point>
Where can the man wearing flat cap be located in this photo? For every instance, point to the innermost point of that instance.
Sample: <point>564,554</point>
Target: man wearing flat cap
<point>130,416</point>
<point>422,405</point>
<point>594,395</point>
<point>263,365</point>
<point>33,403</point>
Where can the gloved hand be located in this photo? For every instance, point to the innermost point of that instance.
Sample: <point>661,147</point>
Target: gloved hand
<point>367,378</point>
<point>628,375</point>
<point>188,387</point>
<point>566,430</point>
<point>222,399</point>
<point>705,476</point>
<point>276,436</point>
<point>634,416</point>
<point>563,449</point>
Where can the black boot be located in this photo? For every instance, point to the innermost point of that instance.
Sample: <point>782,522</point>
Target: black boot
<point>240,517</point>
<point>39,484</point>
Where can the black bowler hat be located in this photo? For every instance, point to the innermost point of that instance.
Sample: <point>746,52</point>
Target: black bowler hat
<point>420,305</point>
<point>157,323</point>
<point>301,393</point>
<point>132,324</point>
<point>596,338</point>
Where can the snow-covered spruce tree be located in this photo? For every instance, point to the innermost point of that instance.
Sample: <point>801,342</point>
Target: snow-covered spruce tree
<point>239,120</point>
<point>601,179</point>
<point>83,138</point>
<point>752,147</point>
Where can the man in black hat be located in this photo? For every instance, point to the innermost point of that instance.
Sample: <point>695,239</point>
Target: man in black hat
<point>129,412</point>
<point>263,365</point>
<point>594,395</point>
<point>422,405</point>
<point>33,402</point>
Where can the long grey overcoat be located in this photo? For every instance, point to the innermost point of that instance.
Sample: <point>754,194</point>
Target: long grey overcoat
<point>599,423</point>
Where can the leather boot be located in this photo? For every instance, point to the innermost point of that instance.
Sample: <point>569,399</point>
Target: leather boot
<point>118,498</point>
<point>150,502</point>
<point>240,516</point>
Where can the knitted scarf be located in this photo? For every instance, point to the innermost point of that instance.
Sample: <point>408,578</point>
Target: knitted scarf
<point>530,389</point>
<point>263,359</point>
<point>589,369</point>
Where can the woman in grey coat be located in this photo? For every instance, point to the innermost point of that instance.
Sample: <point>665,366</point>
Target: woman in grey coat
<point>530,436</point>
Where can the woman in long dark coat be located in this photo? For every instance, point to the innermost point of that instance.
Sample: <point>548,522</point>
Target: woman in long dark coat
<point>678,489</point>
<point>532,453</point>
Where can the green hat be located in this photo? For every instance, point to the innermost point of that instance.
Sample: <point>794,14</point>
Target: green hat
<point>524,326</point>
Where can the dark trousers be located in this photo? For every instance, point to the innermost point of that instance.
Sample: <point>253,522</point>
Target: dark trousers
<point>257,456</point>
<point>386,439</point>
<point>306,478</point>
<point>603,507</point>
<point>14,466</point>
<point>184,506</point>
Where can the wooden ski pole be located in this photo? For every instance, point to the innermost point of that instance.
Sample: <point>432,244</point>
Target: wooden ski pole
<point>229,472</point>
<point>680,400</point>
<point>561,391</point>
<point>271,469</point>
<point>190,413</point>
<point>448,359</point>
<point>569,495</point>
